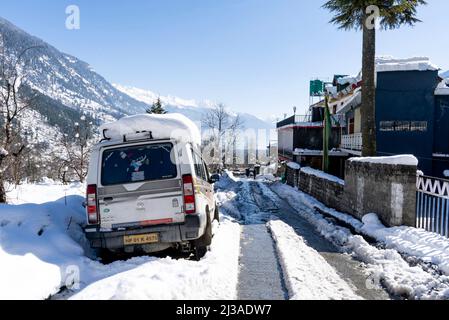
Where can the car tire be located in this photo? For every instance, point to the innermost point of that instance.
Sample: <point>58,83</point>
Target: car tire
<point>216,214</point>
<point>203,243</point>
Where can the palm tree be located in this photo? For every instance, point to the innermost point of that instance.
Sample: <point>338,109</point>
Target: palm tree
<point>360,15</point>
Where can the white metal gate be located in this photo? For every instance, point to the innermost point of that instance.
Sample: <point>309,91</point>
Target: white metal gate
<point>432,204</point>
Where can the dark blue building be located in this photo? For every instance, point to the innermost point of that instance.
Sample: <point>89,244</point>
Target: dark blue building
<point>412,114</point>
<point>405,115</point>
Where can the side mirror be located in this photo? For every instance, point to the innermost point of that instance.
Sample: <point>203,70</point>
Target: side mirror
<point>214,178</point>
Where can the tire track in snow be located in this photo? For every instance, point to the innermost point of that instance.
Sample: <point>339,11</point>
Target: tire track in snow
<point>260,274</point>
<point>348,269</point>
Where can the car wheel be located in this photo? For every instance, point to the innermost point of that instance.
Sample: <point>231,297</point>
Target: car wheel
<point>203,243</point>
<point>216,213</point>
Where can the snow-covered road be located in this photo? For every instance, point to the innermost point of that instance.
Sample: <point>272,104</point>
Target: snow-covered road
<point>311,266</point>
<point>272,243</point>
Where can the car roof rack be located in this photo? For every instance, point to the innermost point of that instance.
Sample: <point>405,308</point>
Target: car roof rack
<point>145,135</point>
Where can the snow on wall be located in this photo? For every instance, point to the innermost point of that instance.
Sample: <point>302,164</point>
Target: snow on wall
<point>321,174</point>
<point>169,126</point>
<point>293,165</point>
<point>388,63</point>
<point>405,160</point>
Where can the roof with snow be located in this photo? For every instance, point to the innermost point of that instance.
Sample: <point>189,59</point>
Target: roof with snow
<point>388,64</point>
<point>442,88</point>
<point>173,126</point>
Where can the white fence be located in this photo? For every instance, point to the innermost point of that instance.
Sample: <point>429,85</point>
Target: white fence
<point>432,205</point>
<point>352,142</point>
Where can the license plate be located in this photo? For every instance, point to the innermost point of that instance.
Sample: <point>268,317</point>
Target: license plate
<point>141,239</point>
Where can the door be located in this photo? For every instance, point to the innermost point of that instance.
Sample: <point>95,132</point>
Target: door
<point>140,185</point>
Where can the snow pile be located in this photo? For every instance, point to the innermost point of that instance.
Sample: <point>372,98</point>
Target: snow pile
<point>388,64</point>
<point>323,175</point>
<point>385,266</point>
<point>37,246</point>
<point>293,165</point>
<point>42,192</point>
<point>428,247</point>
<point>269,169</point>
<point>168,126</point>
<point>215,277</point>
<point>405,160</point>
<point>443,88</point>
<point>43,249</point>
<point>3,152</point>
<point>267,177</point>
<point>308,275</point>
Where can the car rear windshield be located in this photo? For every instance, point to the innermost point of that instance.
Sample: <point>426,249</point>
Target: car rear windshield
<point>137,164</point>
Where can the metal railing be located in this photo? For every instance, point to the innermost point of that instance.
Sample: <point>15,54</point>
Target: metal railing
<point>294,120</point>
<point>352,142</point>
<point>432,204</point>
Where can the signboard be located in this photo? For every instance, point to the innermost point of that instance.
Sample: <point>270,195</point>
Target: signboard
<point>316,88</point>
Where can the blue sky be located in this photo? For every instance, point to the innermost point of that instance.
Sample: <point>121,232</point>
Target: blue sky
<point>256,56</point>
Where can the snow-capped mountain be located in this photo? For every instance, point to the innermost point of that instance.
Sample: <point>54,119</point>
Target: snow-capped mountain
<point>64,78</point>
<point>194,110</point>
<point>68,88</point>
<point>445,75</point>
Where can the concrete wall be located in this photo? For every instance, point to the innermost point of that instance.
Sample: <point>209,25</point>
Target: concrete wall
<point>387,190</point>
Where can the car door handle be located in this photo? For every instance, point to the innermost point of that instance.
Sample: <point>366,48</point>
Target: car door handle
<point>108,199</point>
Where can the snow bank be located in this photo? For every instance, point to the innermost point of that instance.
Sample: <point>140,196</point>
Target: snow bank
<point>213,278</point>
<point>388,63</point>
<point>385,266</point>
<point>45,191</point>
<point>43,248</point>
<point>428,247</point>
<point>293,165</point>
<point>37,246</point>
<point>169,126</point>
<point>307,273</point>
<point>406,160</point>
<point>323,175</point>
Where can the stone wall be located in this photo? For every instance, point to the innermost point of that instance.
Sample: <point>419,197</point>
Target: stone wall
<point>385,189</point>
<point>326,191</point>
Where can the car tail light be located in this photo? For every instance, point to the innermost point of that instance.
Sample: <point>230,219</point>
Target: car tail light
<point>189,194</point>
<point>92,212</point>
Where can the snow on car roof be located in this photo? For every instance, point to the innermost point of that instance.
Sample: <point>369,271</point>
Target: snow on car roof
<point>168,126</point>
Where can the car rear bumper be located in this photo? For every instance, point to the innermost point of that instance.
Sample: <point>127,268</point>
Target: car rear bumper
<point>192,229</point>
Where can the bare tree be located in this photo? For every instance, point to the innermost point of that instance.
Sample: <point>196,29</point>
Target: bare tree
<point>12,106</point>
<point>220,123</point>
<point>76,151</point>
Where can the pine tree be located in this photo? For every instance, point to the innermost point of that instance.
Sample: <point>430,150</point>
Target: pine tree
<point>157,108</point>
<point>358,15</point>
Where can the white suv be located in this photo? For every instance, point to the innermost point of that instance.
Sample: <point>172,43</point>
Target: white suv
<point>147,194</point>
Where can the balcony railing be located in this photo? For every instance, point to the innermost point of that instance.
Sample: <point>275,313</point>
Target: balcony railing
<point>352,142</point>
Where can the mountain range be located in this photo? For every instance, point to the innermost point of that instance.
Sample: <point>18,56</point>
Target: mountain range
<point>67,88</point>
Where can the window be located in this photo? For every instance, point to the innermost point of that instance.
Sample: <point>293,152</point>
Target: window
<point>418,126</point>
<point>138,164</point>
<point>199,168</point>
<point>351,126</point>
<point>403,126</point>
